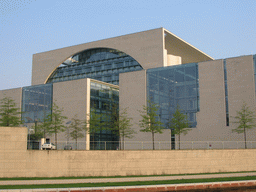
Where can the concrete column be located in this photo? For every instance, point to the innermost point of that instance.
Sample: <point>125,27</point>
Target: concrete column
<point>88,93</point>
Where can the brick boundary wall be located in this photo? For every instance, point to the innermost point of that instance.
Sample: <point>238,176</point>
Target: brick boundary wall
<point>220,186</point>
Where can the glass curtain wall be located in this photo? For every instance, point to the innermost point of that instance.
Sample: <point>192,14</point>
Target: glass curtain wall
<point>36,103</point>
<point>172,86</point>
<point>102,64</point>
<point>104,100</point>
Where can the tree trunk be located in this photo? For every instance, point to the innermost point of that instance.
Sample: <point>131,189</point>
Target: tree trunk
<point>56,140</point>
<point>245,139</point>
<point>179,141</point>
<point>120,142</point>
<point>153,140</point>
<point>93,141</point>
<point>123,142</point>
<point>44,132</point>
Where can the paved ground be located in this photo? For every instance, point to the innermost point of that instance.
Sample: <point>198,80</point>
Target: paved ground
<point>126,179</point>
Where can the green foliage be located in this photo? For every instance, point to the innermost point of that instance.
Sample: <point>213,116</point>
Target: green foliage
<point>9,113</point>
<point>54,122</point>
<point>94,123</point>
<point>123,126</point>
<point>40,130</point>
<point>42,127</point>
<point>36,136</point>
<point>112,118</point>
<point>149,122</point>
<point>179,123</point>
<point>76,129</point>
<point>245,119</point>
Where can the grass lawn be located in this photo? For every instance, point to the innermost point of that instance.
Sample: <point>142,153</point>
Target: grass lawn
<point>100,177</point>
<point>134,183</point>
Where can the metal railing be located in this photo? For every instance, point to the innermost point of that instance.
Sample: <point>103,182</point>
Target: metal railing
<point>148,145</point>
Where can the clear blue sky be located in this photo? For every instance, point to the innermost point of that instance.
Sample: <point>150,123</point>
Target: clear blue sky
<point>220,28</point>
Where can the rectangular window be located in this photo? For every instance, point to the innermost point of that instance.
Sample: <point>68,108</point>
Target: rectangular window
<point>36,102</point>
<point>108,66</point>
<point>171,86</point>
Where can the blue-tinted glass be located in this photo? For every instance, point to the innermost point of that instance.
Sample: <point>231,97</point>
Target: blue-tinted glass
<point>172,86</point>
<point>179,75</point>
<point>94,63</point>
<point>192,105</point>
<point>191,90</point>
<point>36,102</point>
<point>190,73</point>
<point>103,98</point>
<point>183,104</point>
<point>180,91</point>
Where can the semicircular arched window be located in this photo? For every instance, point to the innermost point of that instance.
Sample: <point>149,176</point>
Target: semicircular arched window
<point>102,64</point>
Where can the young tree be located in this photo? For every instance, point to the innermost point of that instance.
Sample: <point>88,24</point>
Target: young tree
<point>112,118</point>
<point>40,129</point>
<point>55,122</point>
<point>124,126</point>
<point>37,135</point>
<point>93,124</point>
<point>149,122</point>
<point>121,125</point>
<point>245,119</point>
<point>76,129</point>
<point>179,123</point>
<point>9,113</point>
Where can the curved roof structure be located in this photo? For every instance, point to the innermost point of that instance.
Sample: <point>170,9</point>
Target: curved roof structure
<point>102,64</point>
<point>148,48</point>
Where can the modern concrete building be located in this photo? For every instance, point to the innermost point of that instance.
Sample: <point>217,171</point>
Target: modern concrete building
<point>128,70</point>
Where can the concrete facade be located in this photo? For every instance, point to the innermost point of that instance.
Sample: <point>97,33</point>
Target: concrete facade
<point>212,115</point>
<point>152,49</point>
<point>133,96</point>
<point>147,47</point>
<point>17,161</point>
<point>211,118</point>
<point>176,46</point>
<point>15,94</point>
<point>68,96</point>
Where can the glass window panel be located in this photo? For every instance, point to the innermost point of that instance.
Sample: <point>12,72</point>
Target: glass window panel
<point>191,90</point>
<point>107,97</point>
<point>180,91</point>
<point>87,60</point>
<point>108,66</point>
<point>98,68</point>
<point>190,72</point>
<point>36,102</point>
<point>174,85</point>
<point>179,75</point>
<point>183,104</point>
